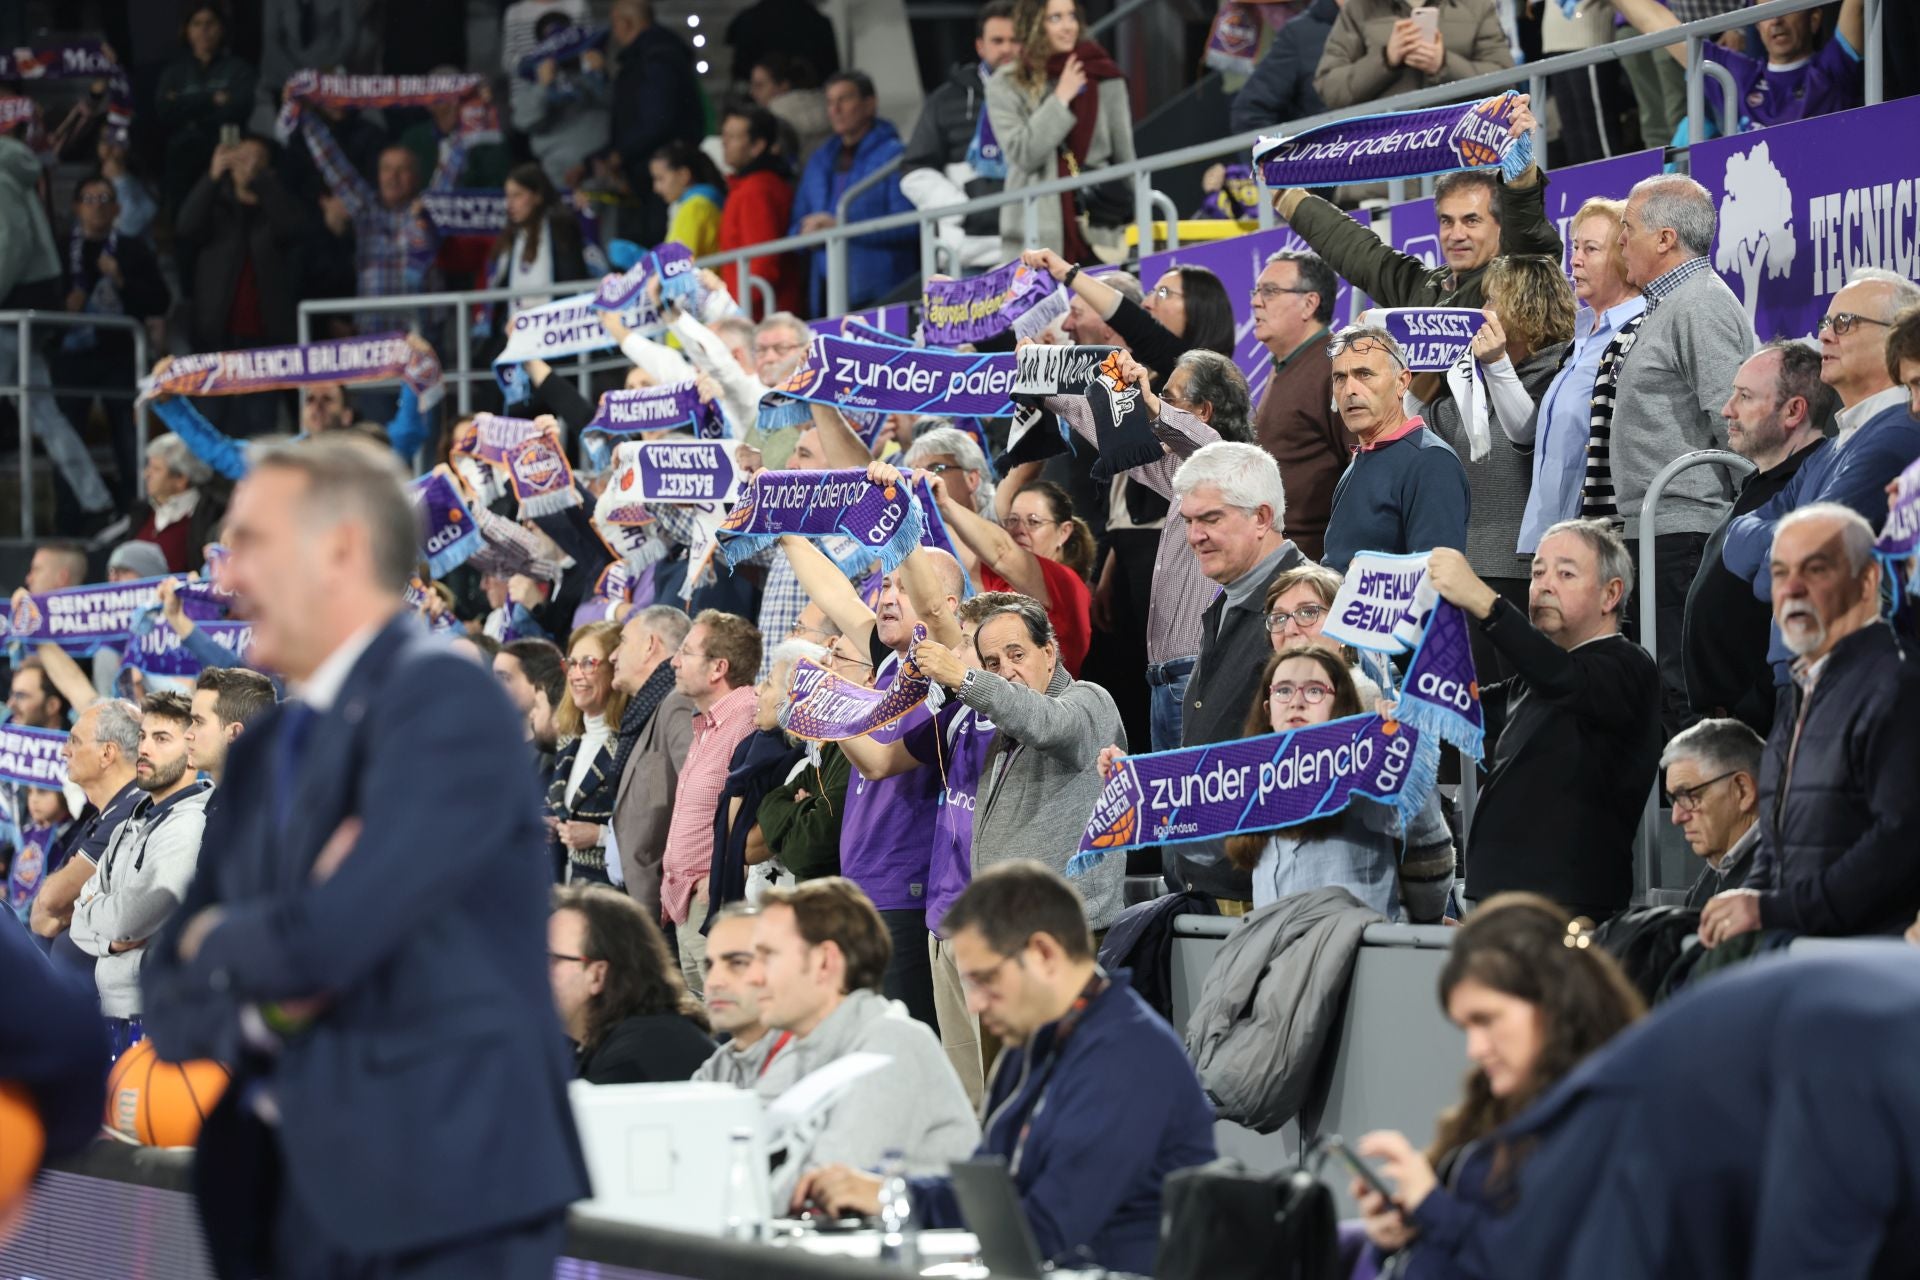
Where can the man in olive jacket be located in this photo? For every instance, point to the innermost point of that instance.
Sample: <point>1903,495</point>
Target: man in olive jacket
<point>1480,217</point>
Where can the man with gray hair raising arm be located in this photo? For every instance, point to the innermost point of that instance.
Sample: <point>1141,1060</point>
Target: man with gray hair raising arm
<point>1659,395</point>
<point>1405,490</point>
<point>1840,814</point>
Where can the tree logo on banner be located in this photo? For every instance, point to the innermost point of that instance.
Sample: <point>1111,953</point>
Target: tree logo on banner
<point>1756,224</point>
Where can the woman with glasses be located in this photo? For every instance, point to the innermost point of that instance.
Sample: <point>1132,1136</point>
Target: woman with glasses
<point>586,769</point>
<point>1186,310</point>
<point>619,994</point>
<point>1297,605</point>
<point>1359,848</point>
<point>1526,334</point>
<point>1044,552</point>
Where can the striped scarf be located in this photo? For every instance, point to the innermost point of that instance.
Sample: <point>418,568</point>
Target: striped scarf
<point>1596,495</point>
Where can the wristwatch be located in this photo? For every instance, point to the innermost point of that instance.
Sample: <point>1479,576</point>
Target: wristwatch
<point>1072,271</point>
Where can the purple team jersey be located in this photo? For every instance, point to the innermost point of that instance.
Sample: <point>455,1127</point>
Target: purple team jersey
<point>957,740</point>
<point>883,833</point>
<point>1831,80</point>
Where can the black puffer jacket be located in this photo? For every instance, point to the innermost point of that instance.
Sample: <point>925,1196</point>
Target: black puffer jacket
<point>945,131</point>
<point>1837,857</point>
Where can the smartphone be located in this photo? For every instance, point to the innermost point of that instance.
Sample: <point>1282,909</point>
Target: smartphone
<point>229,135</point>
<point>1361,1169</point>
<point>1427,18</point>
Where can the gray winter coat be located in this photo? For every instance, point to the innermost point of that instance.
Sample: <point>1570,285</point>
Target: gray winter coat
<point>1271,1007</point>
<point>1031,134</point>
<point>1037,808</point>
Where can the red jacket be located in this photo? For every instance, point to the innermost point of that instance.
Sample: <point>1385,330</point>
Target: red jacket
<point>759,204</point>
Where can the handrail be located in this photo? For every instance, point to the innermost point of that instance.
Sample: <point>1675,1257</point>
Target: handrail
<point>1649,630</point>
<point>1120,14</point>
<point>837,249</point>
<point>24,321</point>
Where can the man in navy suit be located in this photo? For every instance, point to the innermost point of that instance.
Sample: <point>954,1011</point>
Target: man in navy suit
<point>365,937</point>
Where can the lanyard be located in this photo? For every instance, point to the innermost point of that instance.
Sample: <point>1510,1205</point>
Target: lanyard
<point>1064,1029</point>
<point>778,1044</point>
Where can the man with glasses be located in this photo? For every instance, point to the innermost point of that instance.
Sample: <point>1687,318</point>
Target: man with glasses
<point>1713,774</point>
<point>1877,437</point>
<point>1405,491</point>
<point>1294,419</point>
<point>1082,1051</point>
<point>1577,726</point>
<point>715,668</point>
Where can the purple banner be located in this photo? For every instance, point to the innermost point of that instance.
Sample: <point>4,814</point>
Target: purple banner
<point>1802,206</point>
<point>466,213</point>
<point>1013,297</point>
<point>676,471</point>
<point>31,757</point>
<point>1238,262</point>
<point>1900,537</point>
<point>81,619</point>
<point>1431,337</point>
<point>347,91</point>
<point>159,652</point>
<point>1408,144</point>
<point>564,45</point>
<point>866,375</point>
<point>449,537</point>
<point>896,319</point>
<point>379,358</point>
<point>823,504</point>
<point>821,707</point>
<point>668,407</point>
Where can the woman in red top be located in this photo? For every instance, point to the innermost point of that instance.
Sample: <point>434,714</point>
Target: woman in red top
<point>1044,552</point>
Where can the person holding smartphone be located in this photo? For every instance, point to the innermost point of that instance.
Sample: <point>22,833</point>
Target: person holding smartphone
<point>1379,48</point>
<point>1534,1000</point>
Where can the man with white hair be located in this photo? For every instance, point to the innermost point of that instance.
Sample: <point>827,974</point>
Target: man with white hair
<point>950,453</point>
<point>1659,396</point>
<point>1575,727</point>
<point>174,514</point>
<point>1405,490</point>
<point>1839,811</point>
<point>1230,497</point>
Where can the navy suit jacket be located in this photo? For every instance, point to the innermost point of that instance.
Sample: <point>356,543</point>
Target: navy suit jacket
<point>428,1102</point>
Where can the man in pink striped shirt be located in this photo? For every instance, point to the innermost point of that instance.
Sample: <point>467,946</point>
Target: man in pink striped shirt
<point>714,666</point>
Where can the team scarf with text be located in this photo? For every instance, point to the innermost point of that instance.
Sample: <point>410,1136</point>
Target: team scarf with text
<point>31,757</point>
<point>82,619</point>
<point>1403,144</point>
<point>529,454</point>
<point>671,264</point>
<point>355,93</point>
<point>75,60</point>
<point>1042,371</point>
<point>1440,340</point>
<point>1282,779</point>
<point>886,520</point>
<point>1015,297</point>
<point>569,327</point>
<point>885,379</point>
<point>1899,539</point>
<point>449,536</point>
<point>564,45</point>
<point>680,472</point>
<point>157,651</point>
<point>1234,39</point>
<point>383,357</point>
<point>671,406</point>
<point>822,707</point>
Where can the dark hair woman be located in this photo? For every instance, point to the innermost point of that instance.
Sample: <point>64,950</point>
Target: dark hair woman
<point>1534,999</point>
<point>1187,309</point>
<point>541,245</point>
<point>619,994</point>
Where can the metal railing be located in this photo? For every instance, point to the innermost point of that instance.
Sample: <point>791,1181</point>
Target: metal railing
<point>1532,76</point>
<point>25,391</point>
<point>1649,618</point>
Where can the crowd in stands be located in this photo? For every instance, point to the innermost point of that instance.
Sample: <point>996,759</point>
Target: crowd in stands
<point>733,902</point>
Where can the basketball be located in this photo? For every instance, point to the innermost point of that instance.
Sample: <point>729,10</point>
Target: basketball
<point>22,1140</point>
<point>161,1104</point>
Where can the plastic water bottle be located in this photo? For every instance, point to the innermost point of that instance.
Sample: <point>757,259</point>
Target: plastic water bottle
<point>899,1236</point>
<point>745,1206</point>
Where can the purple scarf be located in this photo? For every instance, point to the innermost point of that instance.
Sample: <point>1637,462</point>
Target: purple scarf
<point>1407,144</point>
<point>31,757</point>
<point>536,465</point>
<point>886,521</point>
<point>821,707</point>
<point>381,358</point>
<point>980,307</point>
<point>450,537</point>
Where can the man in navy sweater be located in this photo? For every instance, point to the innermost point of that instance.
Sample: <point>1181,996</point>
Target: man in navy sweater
<point>1082,1050</point>
<point>1405,490</point>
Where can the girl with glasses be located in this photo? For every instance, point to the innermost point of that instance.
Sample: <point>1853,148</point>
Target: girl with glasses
<point>1358,848</point>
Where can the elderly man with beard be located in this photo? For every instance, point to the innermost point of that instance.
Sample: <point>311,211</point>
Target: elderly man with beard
<point>1577,727</point>
<point>144,872</point>
<point>1839,812</point>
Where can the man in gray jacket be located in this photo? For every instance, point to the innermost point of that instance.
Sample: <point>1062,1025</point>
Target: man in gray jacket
<point>820,953</point>
<point>643,803</point>
<point>1676,370</point>
<point>1042,776</point>
<point>144,871</point>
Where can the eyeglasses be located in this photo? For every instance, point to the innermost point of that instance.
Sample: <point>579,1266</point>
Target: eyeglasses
<point>554,957</point>
<point>1363,346</point>
<point>940,468</point>
<point>1032,522</point>
<point>588,664</point>
<point>1268,292</point>
<point>1687,799</point>
<point>98,197</point>
<point>1311,692</point>
<point>1306,615</point>
<point>986,979</point>
<point>1842,322</point>
<point>801,628</point>
<point>776,348</point>
<point>1163,292</point>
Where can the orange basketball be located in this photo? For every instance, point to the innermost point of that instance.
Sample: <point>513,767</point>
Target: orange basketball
<point>161,1104</point>
<point>22,1141</point>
